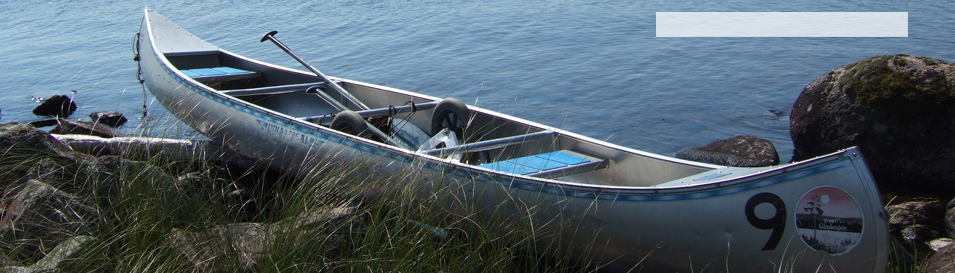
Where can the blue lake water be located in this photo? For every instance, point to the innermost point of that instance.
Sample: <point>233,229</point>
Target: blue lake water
<point>592,67</point>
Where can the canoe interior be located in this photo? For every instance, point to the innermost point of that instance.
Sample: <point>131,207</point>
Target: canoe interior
<point>285,93</point>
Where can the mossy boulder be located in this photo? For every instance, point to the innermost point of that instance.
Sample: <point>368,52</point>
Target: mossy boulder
<point>900,110</point>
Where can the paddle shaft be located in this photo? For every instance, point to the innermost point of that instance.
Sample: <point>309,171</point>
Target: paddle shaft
<point>271,36</point>
<point>374,130</point>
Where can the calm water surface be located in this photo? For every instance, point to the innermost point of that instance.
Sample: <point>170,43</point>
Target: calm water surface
<point>592,67</point>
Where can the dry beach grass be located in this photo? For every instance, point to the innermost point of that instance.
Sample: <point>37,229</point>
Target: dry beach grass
<point>151,212</point>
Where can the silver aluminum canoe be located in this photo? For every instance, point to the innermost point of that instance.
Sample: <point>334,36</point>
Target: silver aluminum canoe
<point>636,209</point>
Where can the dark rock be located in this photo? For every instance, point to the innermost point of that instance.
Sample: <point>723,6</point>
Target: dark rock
<point>58,105</point>
<point>942,261</point>
<point>949,219</point>
<point>900,256</point>
<point>919,234</point>
<point>44,123</point>
<point>39,216</point>
<point>111,118</point>
<point>47,168</point>
<point>915,212</point>
<point>738,151</point>
<point>899,110</point>
<point>77,127</point>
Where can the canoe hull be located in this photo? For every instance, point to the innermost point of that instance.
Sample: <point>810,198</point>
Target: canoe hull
<point>822,214</point>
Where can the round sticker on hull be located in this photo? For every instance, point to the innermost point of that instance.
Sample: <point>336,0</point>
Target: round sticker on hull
<point>829,219</point>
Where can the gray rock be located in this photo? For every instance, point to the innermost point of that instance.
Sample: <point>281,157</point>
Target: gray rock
<point>941,261</point>
<point>76,127</point>
<point>246,242</point>
<point>43,169</point>
<point>39,216</point>
<point>63,251</point>
<point>22,139</point>
<point>7,261</point>
<point>320,216</point>
<point>914,234</point>
<point>939,243</point>
<point>737,151</point>
<point>899,110</point>
<point>210,249</point>
<point>915,212</point>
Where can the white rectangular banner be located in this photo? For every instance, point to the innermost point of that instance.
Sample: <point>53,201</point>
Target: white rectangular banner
<point>782,24</point>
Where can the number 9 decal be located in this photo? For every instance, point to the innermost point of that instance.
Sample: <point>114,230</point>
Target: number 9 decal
<point>777,223</point>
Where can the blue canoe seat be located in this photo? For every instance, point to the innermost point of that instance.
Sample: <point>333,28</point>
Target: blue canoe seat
<point>219,74</point>
<point>548,165</point>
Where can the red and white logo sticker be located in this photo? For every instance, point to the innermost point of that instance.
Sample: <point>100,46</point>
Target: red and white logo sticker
<point>829,219</point>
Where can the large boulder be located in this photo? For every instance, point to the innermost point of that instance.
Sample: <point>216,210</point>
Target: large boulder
<point>23,145</point>
<point>941,261</point>
<point>737,151</point>
<point>39,216</point>
<point>23,139</point>
<point>897,109</point>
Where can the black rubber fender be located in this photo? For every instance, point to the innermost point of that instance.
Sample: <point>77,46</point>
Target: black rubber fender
<point>349,122</point>
<point>451,113</point>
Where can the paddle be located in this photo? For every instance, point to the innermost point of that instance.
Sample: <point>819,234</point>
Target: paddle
<point>374,130</point>
<point>333,85</point>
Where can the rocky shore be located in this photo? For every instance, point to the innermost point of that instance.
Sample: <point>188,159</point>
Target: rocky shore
<point>899,109</point>
<point>58,188</point>
<point>83,203</point>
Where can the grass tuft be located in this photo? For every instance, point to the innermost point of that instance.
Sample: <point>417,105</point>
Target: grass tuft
<point>157,214</point>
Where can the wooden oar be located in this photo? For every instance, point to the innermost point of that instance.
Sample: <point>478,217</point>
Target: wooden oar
<point>271,36</point>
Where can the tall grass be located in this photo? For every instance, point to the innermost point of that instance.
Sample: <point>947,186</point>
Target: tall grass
<point>164,215</point>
